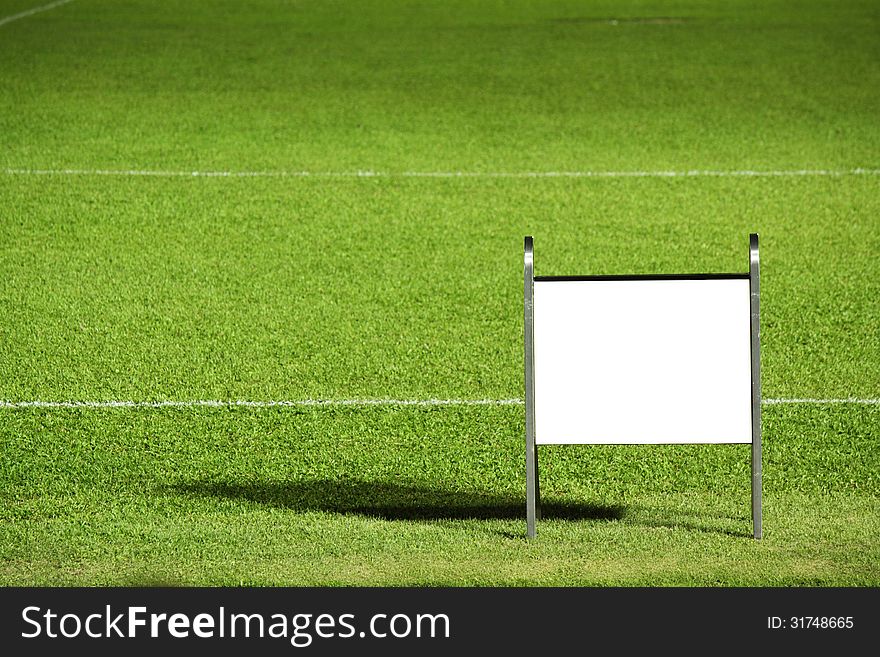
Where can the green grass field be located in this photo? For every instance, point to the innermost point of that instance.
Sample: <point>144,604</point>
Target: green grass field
<point>125,278</point>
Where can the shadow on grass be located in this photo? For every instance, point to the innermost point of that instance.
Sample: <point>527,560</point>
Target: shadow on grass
<point>392,500</point>
<point>706,524</point>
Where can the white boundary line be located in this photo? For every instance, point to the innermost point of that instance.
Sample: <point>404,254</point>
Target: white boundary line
<point>31,12</point>
<point>693,173</point>
<point>216,403</point>
<point>797,400</point>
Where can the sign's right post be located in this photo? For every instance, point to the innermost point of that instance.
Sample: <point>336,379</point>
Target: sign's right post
<point>755,304</point>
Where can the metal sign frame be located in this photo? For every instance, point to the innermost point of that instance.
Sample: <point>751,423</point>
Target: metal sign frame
<point>533,494</point>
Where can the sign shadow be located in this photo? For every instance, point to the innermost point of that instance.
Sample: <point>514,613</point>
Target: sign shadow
<point>391,500</point>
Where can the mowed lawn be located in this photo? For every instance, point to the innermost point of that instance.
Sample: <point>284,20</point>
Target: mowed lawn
<point>123,277</point>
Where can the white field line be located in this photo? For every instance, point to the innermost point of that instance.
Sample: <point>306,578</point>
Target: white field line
<point>216,403</point>
<point>800,400</point>
<point>31,12</point>
<point>693,173</point>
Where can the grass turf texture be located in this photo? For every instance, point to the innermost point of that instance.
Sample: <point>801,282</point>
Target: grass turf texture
<point>176,288</point>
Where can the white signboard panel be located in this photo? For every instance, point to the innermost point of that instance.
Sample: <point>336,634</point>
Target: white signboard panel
<point>642,361</point>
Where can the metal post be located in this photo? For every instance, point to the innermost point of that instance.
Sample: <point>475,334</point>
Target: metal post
<point>537,483</point>
<point>755,298</point>
<point>529,335</point>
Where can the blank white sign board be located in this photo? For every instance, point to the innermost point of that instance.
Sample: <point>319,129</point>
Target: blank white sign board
<point>642,361</point>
